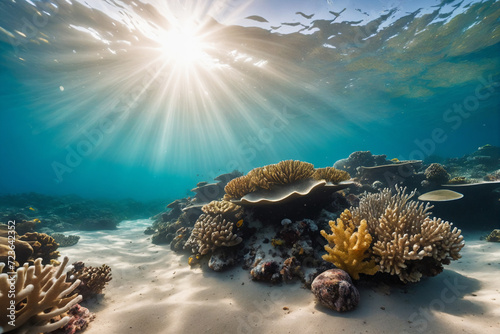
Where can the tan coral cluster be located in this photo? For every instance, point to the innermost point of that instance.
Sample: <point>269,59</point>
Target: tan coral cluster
<point>331,174</point>
<point>404,235</point>
<point>93,279</point>
<point>221,208</point>
<point>22,250</point>
<point>349,246</point>
<point>284,172</point>
<point>35,296</point>
<point>44,246</point>
<point>215,228</point>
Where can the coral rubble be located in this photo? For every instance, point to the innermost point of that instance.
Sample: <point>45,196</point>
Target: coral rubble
<point>80,317</point>
<point>65,240</point>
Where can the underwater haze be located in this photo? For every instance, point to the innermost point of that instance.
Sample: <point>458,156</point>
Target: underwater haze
<point>144,99</point>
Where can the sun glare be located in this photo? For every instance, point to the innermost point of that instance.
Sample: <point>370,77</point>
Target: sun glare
<point>182,45</point>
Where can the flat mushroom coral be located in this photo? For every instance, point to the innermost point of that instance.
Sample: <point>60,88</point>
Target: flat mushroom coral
<point>441,195</point>
<point>282,193</point>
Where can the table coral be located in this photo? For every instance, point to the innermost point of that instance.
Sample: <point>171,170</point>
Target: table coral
<point>37,288</point>
<point>284,172</point>
<point>349,246</point>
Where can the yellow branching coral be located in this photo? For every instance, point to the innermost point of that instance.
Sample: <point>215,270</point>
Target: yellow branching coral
<point>349,247</point>
<point>331,174</point>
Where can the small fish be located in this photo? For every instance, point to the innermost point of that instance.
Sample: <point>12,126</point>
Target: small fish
<point>32,209</point>
<point>239,223</point>
<point>36,220</point>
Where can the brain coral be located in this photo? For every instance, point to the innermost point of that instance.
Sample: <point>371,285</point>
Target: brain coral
<point>214,228</point>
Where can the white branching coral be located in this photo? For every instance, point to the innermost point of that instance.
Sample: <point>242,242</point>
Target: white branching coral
<point>35,295</point>
<point>406,241</point>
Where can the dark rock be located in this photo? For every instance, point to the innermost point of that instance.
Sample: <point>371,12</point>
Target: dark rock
<point>334,289</point>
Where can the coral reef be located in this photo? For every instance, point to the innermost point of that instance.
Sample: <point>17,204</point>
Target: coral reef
<point>349,246</point>
<point>279,194</point>
<point>80,317</point>
<point>238,188</point>
<point>37,289</point>
<point>222,258</point>
<point>391,174</point>
<point>331,174</point>
<point>437,174</point>
<point>65,240</point>
<point>291,268</point>
<point>166,232</point>
<point>494,236</point>
<point>44,246</point>
<point>334,289</point>
<point>284,172</point>
<point>287,171</point>
<point>268,271</point>
<point>93,279</point>
<point>458,180</point>
<point>207,192</point>
<point>406,241</point>
<point>61,213</point>
<point>215,227</point>
<point>358,159</point>
<point>22,249</point>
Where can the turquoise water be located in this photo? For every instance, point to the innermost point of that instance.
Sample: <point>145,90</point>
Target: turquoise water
<point>142,99</point>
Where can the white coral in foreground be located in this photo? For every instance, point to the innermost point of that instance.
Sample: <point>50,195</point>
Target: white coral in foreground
<point>35,295</point>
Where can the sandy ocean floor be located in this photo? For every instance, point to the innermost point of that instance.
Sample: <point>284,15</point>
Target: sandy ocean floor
<point>154,290</point>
